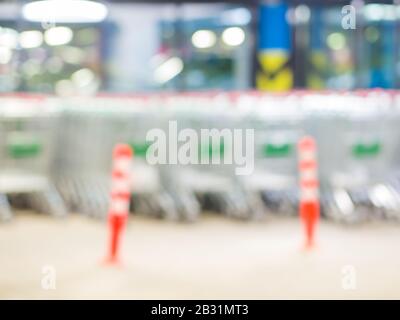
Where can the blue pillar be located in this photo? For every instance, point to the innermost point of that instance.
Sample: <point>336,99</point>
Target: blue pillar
<point>274,49</point>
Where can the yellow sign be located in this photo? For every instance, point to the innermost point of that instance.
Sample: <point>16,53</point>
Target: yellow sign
<point>275,73</point>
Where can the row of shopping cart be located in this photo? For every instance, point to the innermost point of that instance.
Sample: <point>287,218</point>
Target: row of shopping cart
<point>57,153</point>
<point>28,124</point>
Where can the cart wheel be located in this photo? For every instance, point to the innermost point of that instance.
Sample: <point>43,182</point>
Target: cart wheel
<point>5,209</point>
<point>257,207</point>
<point>48,202</point>
<point>343,208</point>
<point>189,207</point>
<point>235,205</point>
<point>66,189</point>
<point>167,206</point>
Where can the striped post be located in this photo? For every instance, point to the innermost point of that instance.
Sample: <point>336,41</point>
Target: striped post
<point>120,197</point>
<point>309,208</point>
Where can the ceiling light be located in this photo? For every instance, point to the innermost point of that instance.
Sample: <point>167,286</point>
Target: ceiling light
<point>64,11</point>
<point>203,39</point>
<point>30,39</point>
<point>5,55</point>
<point>233,36</point>
<point>58,36</point>
<point>168,70</point>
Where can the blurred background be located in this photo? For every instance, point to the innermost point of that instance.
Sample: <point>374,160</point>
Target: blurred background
<point>78,76</point>
<point>131,46</point>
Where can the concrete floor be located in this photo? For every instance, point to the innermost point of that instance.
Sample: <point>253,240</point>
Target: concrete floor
<point>213,258</point>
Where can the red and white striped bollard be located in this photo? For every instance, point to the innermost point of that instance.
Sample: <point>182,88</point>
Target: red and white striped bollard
<point>309,207</point>
<point>120,197</point>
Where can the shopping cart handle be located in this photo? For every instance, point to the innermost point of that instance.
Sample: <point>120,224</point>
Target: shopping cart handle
<point>140,149</point>
<point>23,150</point>
<point>366,150</point>
<point>277,150</point>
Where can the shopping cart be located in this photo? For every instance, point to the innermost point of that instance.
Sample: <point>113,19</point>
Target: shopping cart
<point>211,181</point>
<point>27,131</point>
<point>355,149</point>
<point>387,195</point>
<point>84,156</point>
<point>90,130</point>
<point>354,132</point>
<point>145,113</point>
<point>277,122</point>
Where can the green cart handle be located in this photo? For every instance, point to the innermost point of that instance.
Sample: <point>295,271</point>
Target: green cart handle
<point>273,150</point>
<point>362,150</point>
<point>18,150</point>
<point>140,149</point>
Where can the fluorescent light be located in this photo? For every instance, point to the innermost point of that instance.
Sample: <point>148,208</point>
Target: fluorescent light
<point>64,11</point>
<point>380,12</point>
<point>390,12</point>
<point>238,16</point>
<point>168,70</point>
<point>336,41</point>
<point>8,38</point>
<point>374,12</point>
<point>83,77</point>
<point>58,36</point>
<point>30,39</point>
<point>203,39</point>
<point>233,36</point>
<point>302,13</point>
<point>5,55</point>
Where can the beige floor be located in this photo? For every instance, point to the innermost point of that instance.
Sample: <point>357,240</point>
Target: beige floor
<point>214,258</point>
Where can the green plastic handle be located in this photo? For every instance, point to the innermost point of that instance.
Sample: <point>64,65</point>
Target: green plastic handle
<point>277,150</point>
<point>140,149</point>
<point>366,150</point>
<point>19,150</point>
